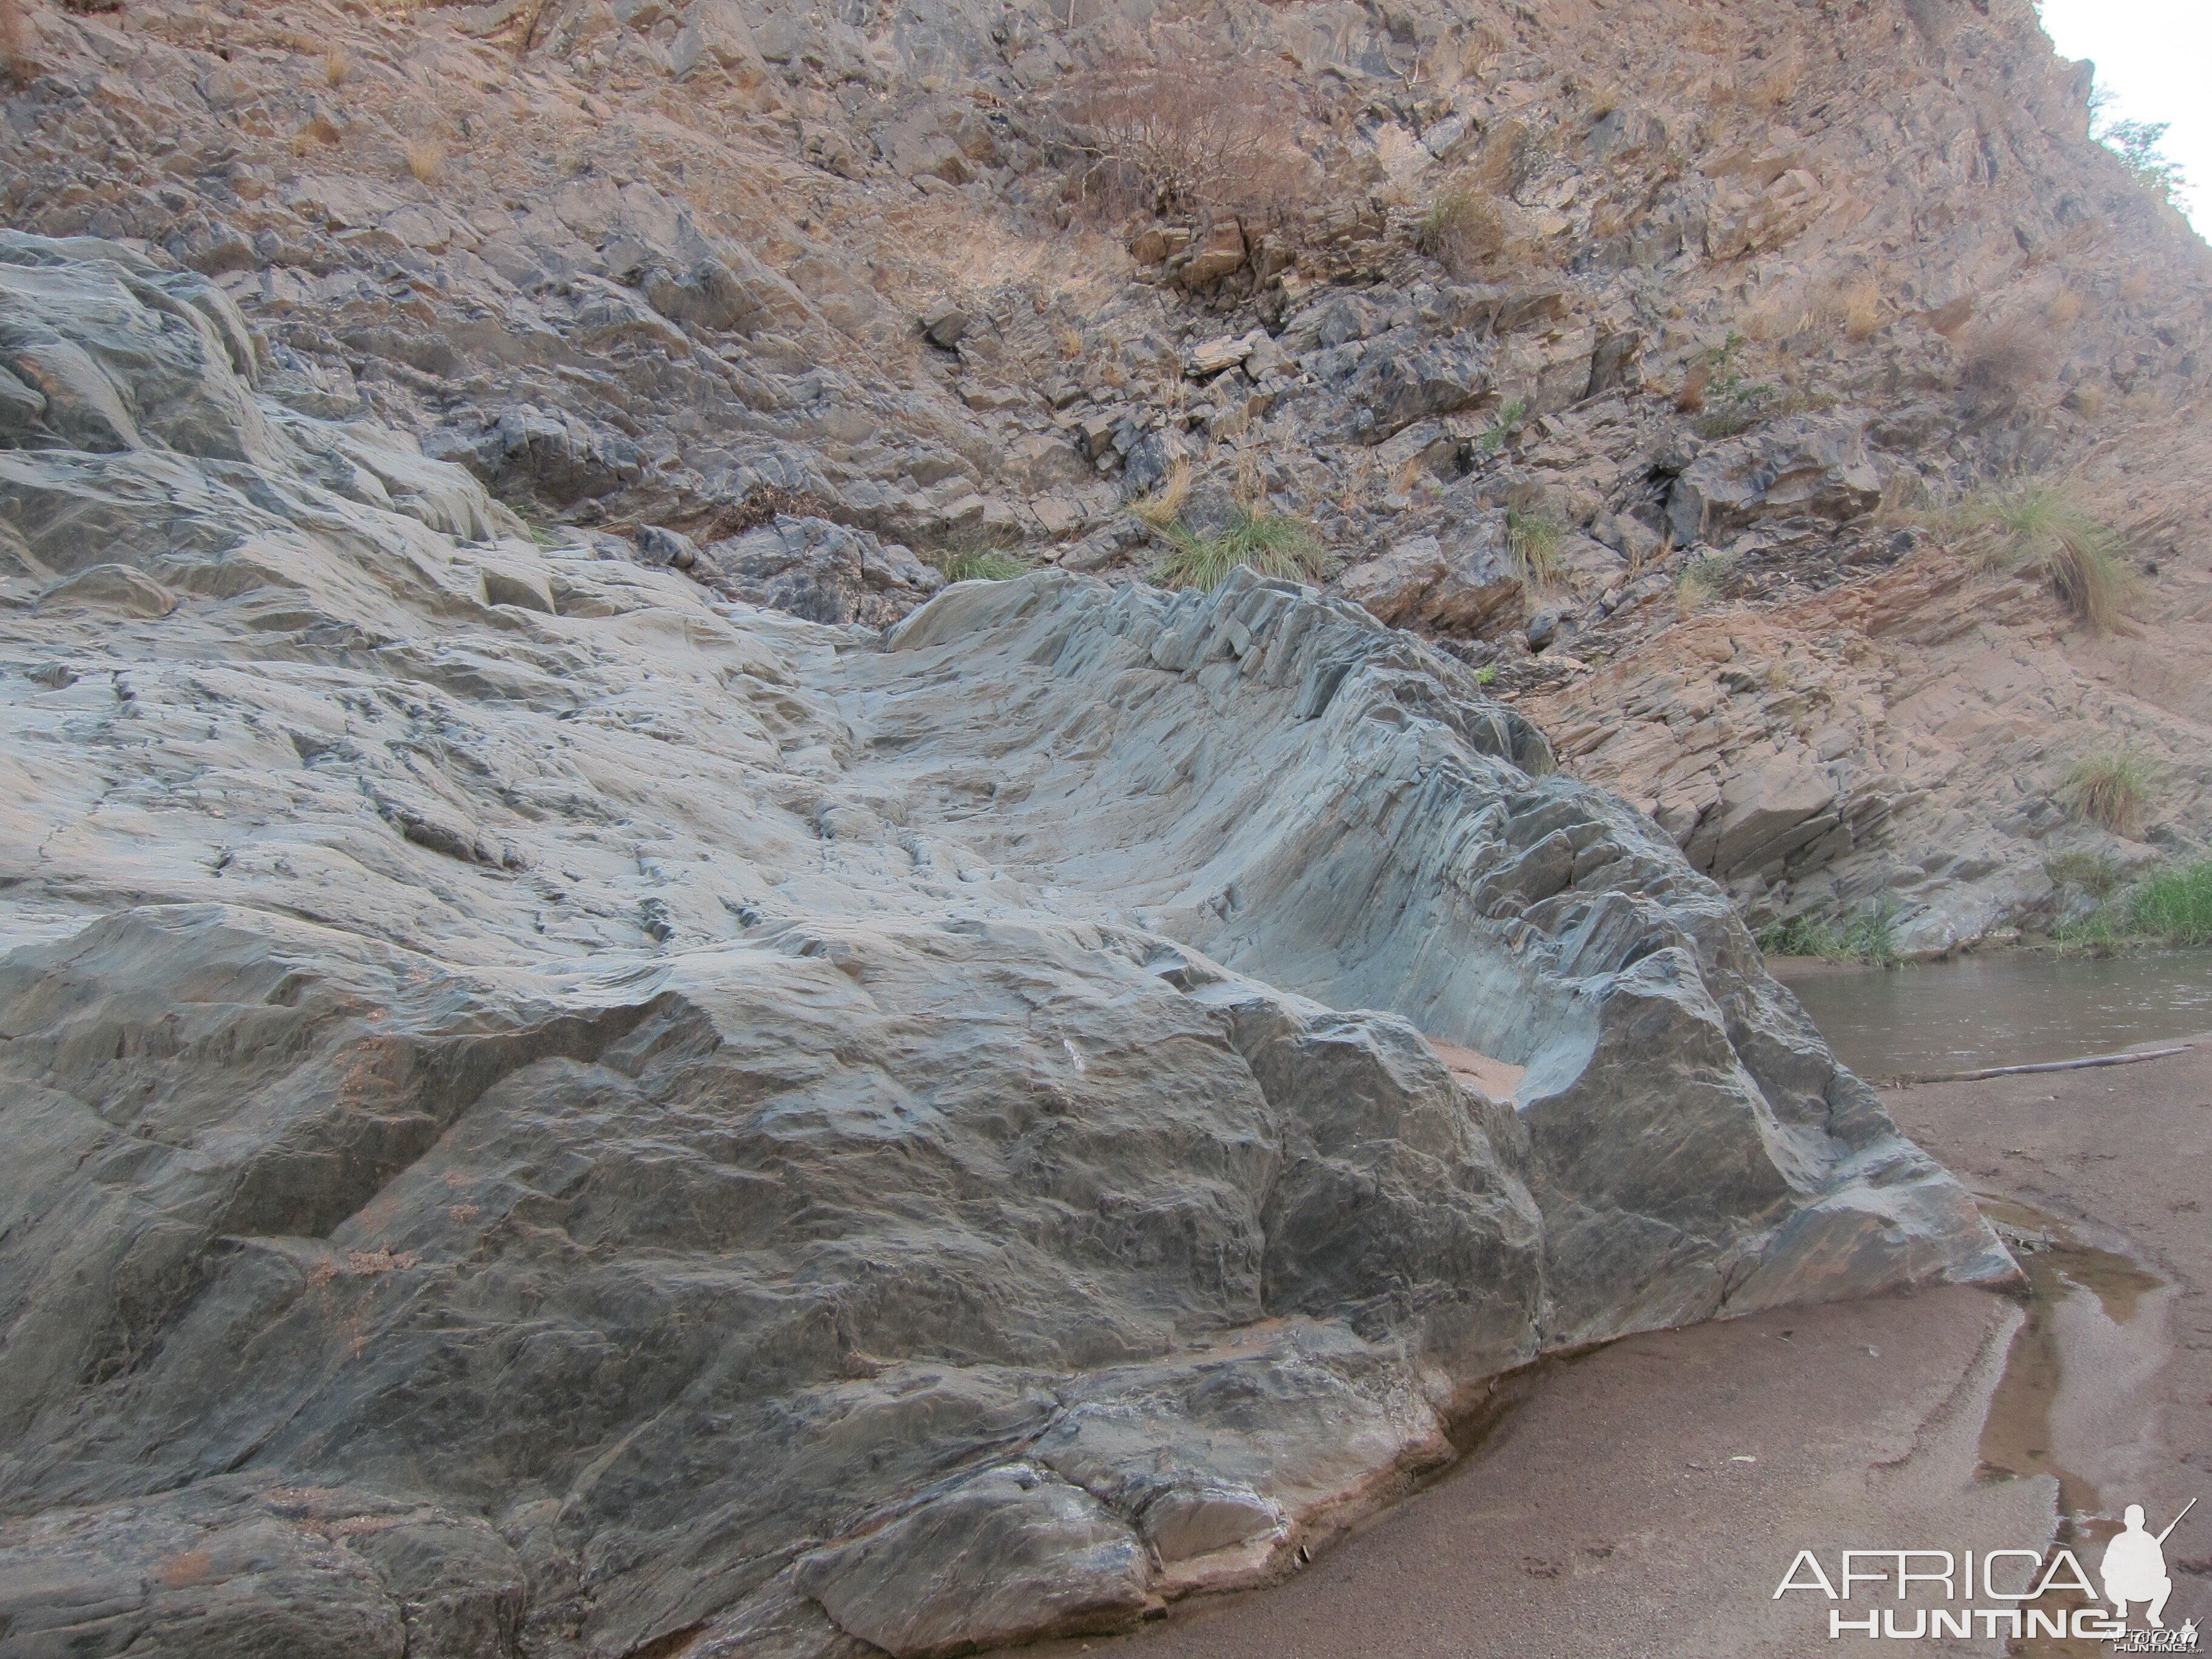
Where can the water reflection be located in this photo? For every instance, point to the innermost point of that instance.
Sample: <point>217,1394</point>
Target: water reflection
<point>2003,1011</point>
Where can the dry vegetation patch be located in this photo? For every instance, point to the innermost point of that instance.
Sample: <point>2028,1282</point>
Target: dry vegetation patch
<point>1179,135</point>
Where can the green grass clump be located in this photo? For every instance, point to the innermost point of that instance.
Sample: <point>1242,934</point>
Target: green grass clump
<point>2112,790</point>
<point>2079,558</point>
<point>1535,543</point>
<point>1509,421</point>
<point>2098,878</point>
<point>987,553</point>
<point>2175,905</point>
<point>1866,937</point>
<point>984,567</point>
<point>1870,936</point>
<point>1801,936</point>
<point>1271,544</point>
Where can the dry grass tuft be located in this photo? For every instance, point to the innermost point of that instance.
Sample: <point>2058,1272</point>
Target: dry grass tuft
<point>426,160</point>
<point>1165,505</point>
<point>1773,318</point>
<point>338,66</point>
<point>2112,790</point>
<point>1700,583</point>
<point>1536,542</point>
<point>2136,289</point>
<point>1692,397</point>
<point>2087,401</point>
<point>2079,558</point>
<point>1779,85</point>
<point>1466,230</point>
<point>2062,311</point>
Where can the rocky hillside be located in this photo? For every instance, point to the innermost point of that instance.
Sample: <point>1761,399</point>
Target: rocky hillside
<point>1658,357</point>
<point>1661,358</point>
<point>551,1113</point>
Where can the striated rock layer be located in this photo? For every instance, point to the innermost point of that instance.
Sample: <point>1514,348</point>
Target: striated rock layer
<point>548,1112</point>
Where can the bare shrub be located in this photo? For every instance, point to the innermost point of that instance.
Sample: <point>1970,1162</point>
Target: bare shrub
<point>1184,135</point>
<point>2005,359</point>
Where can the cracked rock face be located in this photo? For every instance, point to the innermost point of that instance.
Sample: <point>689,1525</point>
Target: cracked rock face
<point>549,1111</point>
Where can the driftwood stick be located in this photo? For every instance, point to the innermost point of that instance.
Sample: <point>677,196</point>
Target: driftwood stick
<point>2127,1059</point>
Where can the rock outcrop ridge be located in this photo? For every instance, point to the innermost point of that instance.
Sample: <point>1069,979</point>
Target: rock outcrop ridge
<point>1699,297</point>
<point>548,1112</point>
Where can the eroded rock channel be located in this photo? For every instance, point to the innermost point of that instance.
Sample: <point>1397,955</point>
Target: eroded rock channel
<point>548,1112</point>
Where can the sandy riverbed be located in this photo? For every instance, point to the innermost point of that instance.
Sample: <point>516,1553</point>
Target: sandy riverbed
<point>1646,1498</point>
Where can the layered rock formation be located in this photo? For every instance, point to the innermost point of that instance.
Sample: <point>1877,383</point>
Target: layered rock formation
<point>548,1112</point>
<point>1691,291</point>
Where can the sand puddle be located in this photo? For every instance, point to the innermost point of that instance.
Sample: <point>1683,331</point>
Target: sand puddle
<point>2086,1309</point>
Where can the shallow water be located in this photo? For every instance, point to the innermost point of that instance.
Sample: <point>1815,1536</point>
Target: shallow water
<point>2003,1011</point>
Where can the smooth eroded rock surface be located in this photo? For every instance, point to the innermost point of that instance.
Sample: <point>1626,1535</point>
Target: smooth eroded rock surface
<point>548,1112</point>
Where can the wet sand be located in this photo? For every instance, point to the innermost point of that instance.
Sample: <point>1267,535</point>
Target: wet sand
<point>1646,1498</point>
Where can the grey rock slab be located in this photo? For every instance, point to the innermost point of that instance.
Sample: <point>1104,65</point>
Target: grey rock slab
<point>552,1107</point>
<point>1013,1553</point>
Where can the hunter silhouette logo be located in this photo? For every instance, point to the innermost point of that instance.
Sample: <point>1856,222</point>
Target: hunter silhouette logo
<point>2132,1571</point>
<point>2134,1568</point>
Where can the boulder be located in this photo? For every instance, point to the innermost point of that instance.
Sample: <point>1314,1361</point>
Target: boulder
<point>1813,466</point>
<point>552,1110</point>
<point>1462,588</point>
<point>943,325</point>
